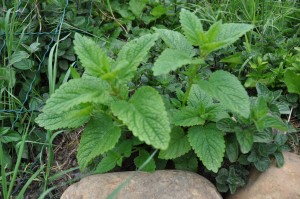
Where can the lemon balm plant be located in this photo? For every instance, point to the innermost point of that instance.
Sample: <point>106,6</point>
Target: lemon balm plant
<point>215,116</point>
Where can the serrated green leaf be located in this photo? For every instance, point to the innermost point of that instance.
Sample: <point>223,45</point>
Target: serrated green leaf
<point>212,46</point>
<point>245,138</point>
<point>142,158</point>
<point>260,108</point>
<point>215,112</point>
<point>213,31</point>
<point>266,149</point>
<point>221,35</point>
<point>187,117</point>
<point>292,81</point>
<point>263,91</point>
<point>108,162</point>
<point>273,122</point>
<point>170,60</point>
<point>137,6</point>
<point>197,97</point>
<point>176,40</point>
<point>230,32</point>
<point>78,91</point>
<point>99,136</point>
<point>92,57</point>
<point>209,145</point>
<point>191,26</point>
<point>231,94</point>
<point>222,176</point>
<point>265,136</point>
<point>226,125</point>
<point>281,138</point>
<point>73,118</point>
<point>179,145</point>
<point>146,116</point>
<point>223,188</point>
<point>131,56</point>
<point>262,164</point>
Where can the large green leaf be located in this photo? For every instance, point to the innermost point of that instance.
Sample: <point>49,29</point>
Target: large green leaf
<point>198,98</point>
<point>92,57</point>
<point>271,122</point>
<point>227,89</point>
<point>230,32</point>
<point>191,26</point>
<point>78,91</point>
<point>176,40</point>
<point>208,143</point>
<point>131,56</point>
<point>187,116</point>
<point>146,116</point>
<point>221,35</point>
<point>99,136</point>
<point>245,138</point>
<point>170,60</point>
<point>73,118</point>
<point>292,81</point>
<point>179,145</point>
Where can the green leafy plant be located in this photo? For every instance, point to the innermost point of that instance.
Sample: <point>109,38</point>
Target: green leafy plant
<point>210,117</point>
<point>101,94</point>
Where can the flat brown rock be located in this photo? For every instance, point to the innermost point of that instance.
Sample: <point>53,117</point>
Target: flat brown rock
<point>157,185</point>
<point>275,183</point>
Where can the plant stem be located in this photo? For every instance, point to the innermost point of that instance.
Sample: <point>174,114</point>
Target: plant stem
<point>3,174</point>
<point>194,69</point>
<point>20,152</point>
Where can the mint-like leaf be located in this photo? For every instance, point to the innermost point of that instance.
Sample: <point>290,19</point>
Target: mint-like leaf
<point>170,60</point>
<point>146,116</point>
<point>131,56</point>
<point>209,145</point>
<point>187,116</point>
<point>227,89</point>
<point>92,57</point>
<point>191,26</point>
<point>176,41</point>
<point>99,136</point>
<point>77,91</point>
<point>73,118</point>
<point>179,145</point>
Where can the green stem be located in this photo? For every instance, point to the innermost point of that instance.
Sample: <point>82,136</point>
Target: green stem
<point>49,159</point>
<point>19,158</point>
<point>20,152</point>
<point>3,174</point>
<point>194,69</point>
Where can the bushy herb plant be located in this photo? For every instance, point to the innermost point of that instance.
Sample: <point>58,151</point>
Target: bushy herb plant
<point>210,116</point>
